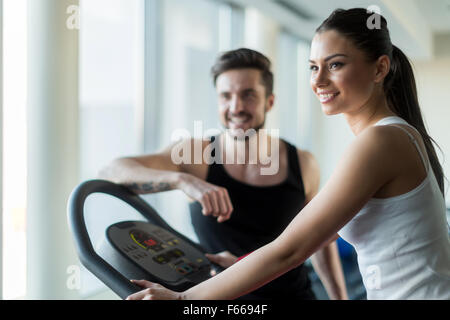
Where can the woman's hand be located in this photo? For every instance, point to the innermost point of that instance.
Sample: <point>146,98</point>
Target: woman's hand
<point>154,291</point>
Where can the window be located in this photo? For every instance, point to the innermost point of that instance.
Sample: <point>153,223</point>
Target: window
<point>189,37</point>
<point>111,64</point>
<point>141,62</point>
<point>14,148</point>
<point>111,103</point>
<point>292,91</point>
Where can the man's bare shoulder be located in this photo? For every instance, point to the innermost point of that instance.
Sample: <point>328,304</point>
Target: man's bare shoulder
<point>310,172</point>
<point>192,156</point>
<point>307,160</point>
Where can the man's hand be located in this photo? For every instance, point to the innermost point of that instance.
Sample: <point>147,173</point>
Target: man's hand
<point>224,259</point>
<point>153,291</point>
<point>215,200</point>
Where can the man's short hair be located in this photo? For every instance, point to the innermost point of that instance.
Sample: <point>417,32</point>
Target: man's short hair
<point>242,59</point>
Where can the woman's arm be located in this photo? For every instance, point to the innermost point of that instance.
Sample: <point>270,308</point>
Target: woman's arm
<point>363,170</point>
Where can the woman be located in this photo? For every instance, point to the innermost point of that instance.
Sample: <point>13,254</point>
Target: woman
<point>386,194</point>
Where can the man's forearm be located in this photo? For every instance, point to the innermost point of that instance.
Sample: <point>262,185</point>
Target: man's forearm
<point>327,264</point>
<point>139,178</point>
<point>150,187</point>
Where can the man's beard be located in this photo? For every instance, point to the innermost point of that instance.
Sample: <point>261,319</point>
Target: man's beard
<point>245,135</point>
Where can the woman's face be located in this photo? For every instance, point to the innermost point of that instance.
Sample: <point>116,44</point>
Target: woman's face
<point>341,76</point>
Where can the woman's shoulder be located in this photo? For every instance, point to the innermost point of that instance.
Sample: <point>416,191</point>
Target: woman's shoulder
<point>385,146</point>
<point>382,138</point>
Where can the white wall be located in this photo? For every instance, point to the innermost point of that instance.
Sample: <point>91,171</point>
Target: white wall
<point>330,138</point>
<point>433,83</point>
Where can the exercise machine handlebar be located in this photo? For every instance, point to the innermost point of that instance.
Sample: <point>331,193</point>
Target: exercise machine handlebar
<point>88,257</point>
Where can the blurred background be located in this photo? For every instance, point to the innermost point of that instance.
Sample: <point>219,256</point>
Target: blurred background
<point>84,82</point>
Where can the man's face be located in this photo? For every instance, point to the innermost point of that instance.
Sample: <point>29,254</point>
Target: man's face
<point>242,100</point>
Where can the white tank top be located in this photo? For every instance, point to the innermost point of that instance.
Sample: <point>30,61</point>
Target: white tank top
<point>402,242</point>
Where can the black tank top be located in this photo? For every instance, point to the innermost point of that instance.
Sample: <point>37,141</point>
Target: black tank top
<point>260,214</point>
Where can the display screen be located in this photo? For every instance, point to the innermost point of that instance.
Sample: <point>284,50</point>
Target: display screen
<point>144,240</point>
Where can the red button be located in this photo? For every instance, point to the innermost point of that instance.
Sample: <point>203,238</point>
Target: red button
<point>150,242</point>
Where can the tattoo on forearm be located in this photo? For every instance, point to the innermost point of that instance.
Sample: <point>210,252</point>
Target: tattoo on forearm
<point>150,187</point>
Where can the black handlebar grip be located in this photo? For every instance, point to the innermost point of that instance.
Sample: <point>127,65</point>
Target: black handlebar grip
<point>88,257</point>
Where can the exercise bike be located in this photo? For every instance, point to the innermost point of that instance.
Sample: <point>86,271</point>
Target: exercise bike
<point>150,250</point>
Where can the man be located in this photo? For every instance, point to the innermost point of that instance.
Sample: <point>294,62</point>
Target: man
<point>249,184</point>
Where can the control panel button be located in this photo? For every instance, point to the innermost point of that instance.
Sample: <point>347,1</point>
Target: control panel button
<point>176,253</point>
<point>185,269</point>
<point>161,259</point>
<point>157,248</point>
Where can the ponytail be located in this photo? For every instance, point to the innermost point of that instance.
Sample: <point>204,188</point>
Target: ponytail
<point>401,92</point>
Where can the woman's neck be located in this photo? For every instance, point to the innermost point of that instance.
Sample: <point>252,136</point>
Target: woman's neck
<point>373,111</point>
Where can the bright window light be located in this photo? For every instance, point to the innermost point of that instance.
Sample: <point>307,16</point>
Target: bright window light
<point>14,148</point>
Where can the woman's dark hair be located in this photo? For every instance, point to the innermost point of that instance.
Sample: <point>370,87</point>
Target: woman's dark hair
<point>242,59</point>
<point>399,85</point>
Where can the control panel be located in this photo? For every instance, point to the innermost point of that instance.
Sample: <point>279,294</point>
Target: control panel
<point>159,252</point>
